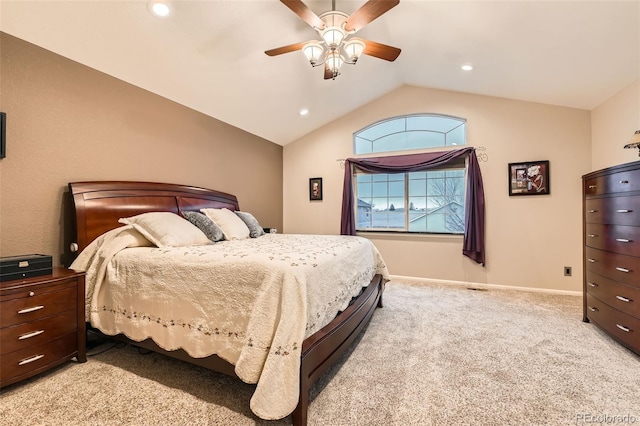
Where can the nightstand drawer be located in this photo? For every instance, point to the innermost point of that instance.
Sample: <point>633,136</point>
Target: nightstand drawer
<point>38,358</point>
<point>17,311</point>
<point>620,325</point>
<point>619,296</point>
<point>33,333</point>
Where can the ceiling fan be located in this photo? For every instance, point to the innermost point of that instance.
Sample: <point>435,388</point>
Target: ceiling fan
<point>336,46</point>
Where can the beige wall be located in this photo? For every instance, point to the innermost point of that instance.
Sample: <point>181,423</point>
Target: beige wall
<point>68,122</point>
<point>529,239</point>
<point>612,125</point>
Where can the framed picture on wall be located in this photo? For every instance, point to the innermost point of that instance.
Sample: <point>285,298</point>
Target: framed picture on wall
<point>315,189</point>
<point>529,178</point>
<point>3,135</point>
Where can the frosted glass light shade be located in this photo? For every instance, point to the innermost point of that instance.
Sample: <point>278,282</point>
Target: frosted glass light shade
<point>354,49</point>
<point>313,52</point>
<point>334,62</point>
<point>333,36</point>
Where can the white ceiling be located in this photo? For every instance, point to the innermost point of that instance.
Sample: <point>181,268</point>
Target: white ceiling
<point>209,55</point>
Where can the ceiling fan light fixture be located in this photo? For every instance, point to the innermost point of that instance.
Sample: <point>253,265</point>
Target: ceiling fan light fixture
<point>353,50</point>
<point>334,28</point>
<point>313,51</point>
<point>333,36</point>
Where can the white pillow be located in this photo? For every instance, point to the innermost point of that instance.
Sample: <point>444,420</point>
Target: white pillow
<point>232,226</point>
<point>166,229</point>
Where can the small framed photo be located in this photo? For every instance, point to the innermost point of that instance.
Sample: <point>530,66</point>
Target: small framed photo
<point>3,135</point>
<point>529,178</point>
<point>315,189</point>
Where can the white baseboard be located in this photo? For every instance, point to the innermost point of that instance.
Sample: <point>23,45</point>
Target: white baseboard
<point>487,286</point>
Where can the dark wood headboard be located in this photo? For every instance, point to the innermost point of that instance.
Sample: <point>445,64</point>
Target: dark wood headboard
<point>98,205</point>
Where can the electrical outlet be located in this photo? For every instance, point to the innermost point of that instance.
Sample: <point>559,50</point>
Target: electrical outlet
<point>567,271</point>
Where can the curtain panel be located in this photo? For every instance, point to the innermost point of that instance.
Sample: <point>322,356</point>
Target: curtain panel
<point>473,242</point>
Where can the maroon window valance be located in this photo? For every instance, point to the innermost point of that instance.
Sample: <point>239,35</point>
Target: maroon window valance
<point>473,243</point>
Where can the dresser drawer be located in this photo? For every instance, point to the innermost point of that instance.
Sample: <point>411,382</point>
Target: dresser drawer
<point>613,210</point>
<point>17,311</point>
<point>619,296</point>
<point>616,238</point>
<point>616,182</point>
<point>619,267</point>
<point>620,325</point>
<point>22,336</point>
<point>37,358</point>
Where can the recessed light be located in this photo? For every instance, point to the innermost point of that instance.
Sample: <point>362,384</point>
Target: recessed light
<point>467,67</point>
<point>304,111</point>
<point>159,8</point>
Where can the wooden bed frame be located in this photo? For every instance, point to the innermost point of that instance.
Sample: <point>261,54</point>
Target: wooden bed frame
<point>98,206</point>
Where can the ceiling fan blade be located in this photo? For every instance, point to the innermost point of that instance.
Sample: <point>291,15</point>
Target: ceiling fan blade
<point>368,12</point>
<point>379,50</point>
<point>286,49</point>
<point>304,12</point>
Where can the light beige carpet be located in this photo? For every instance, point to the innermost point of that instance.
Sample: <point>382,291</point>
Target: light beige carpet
<point>434,355</point>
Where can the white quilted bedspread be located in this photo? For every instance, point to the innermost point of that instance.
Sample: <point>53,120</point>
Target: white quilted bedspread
<point>251,302</point>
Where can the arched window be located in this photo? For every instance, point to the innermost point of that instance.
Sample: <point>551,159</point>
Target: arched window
<point>431,201</point>
<point>410,132</point>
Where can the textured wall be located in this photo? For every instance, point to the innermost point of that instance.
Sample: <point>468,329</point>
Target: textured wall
<point>68,122</point>
<point>612,125</point>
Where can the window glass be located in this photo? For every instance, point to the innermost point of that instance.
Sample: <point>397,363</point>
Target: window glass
<point>426,202</point>
<point>410,132</point>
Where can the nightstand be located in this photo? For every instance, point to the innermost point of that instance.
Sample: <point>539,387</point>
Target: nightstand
<point>42,324</point>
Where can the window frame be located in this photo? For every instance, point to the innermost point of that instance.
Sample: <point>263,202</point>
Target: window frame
<point>407,202</point>
<point>461,122</point>
<point>456,124</point>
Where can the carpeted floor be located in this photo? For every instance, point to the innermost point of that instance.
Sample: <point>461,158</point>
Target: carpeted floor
<point>434,355</point>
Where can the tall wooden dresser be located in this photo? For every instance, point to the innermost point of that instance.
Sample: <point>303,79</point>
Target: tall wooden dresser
<point>611,213</point>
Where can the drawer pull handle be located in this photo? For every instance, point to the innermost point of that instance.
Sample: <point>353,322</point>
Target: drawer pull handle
<point>593,211</point>
<point>592,235</point>
<point>624,299</point>
<point>623,240</point>
<point>625,270</point>
<point>31,294</point>
<point>27,310</point>
<point>593,186</point>
<point>592,284</point>
<point>623,182</point>
<point>29,335</point>
<point>592,309</point>
<point>592,260</point>
<point>28,360</point>
<point>623,328</point>
<point>624,211</point>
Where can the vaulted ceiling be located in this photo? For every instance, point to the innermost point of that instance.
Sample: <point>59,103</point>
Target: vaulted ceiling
<point>209,55</point>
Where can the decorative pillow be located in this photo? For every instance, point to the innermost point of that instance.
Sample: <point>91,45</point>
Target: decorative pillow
<point>255,230</point>
<point>232,226</point>
<point>206,225</point>
<point>166,229</point>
